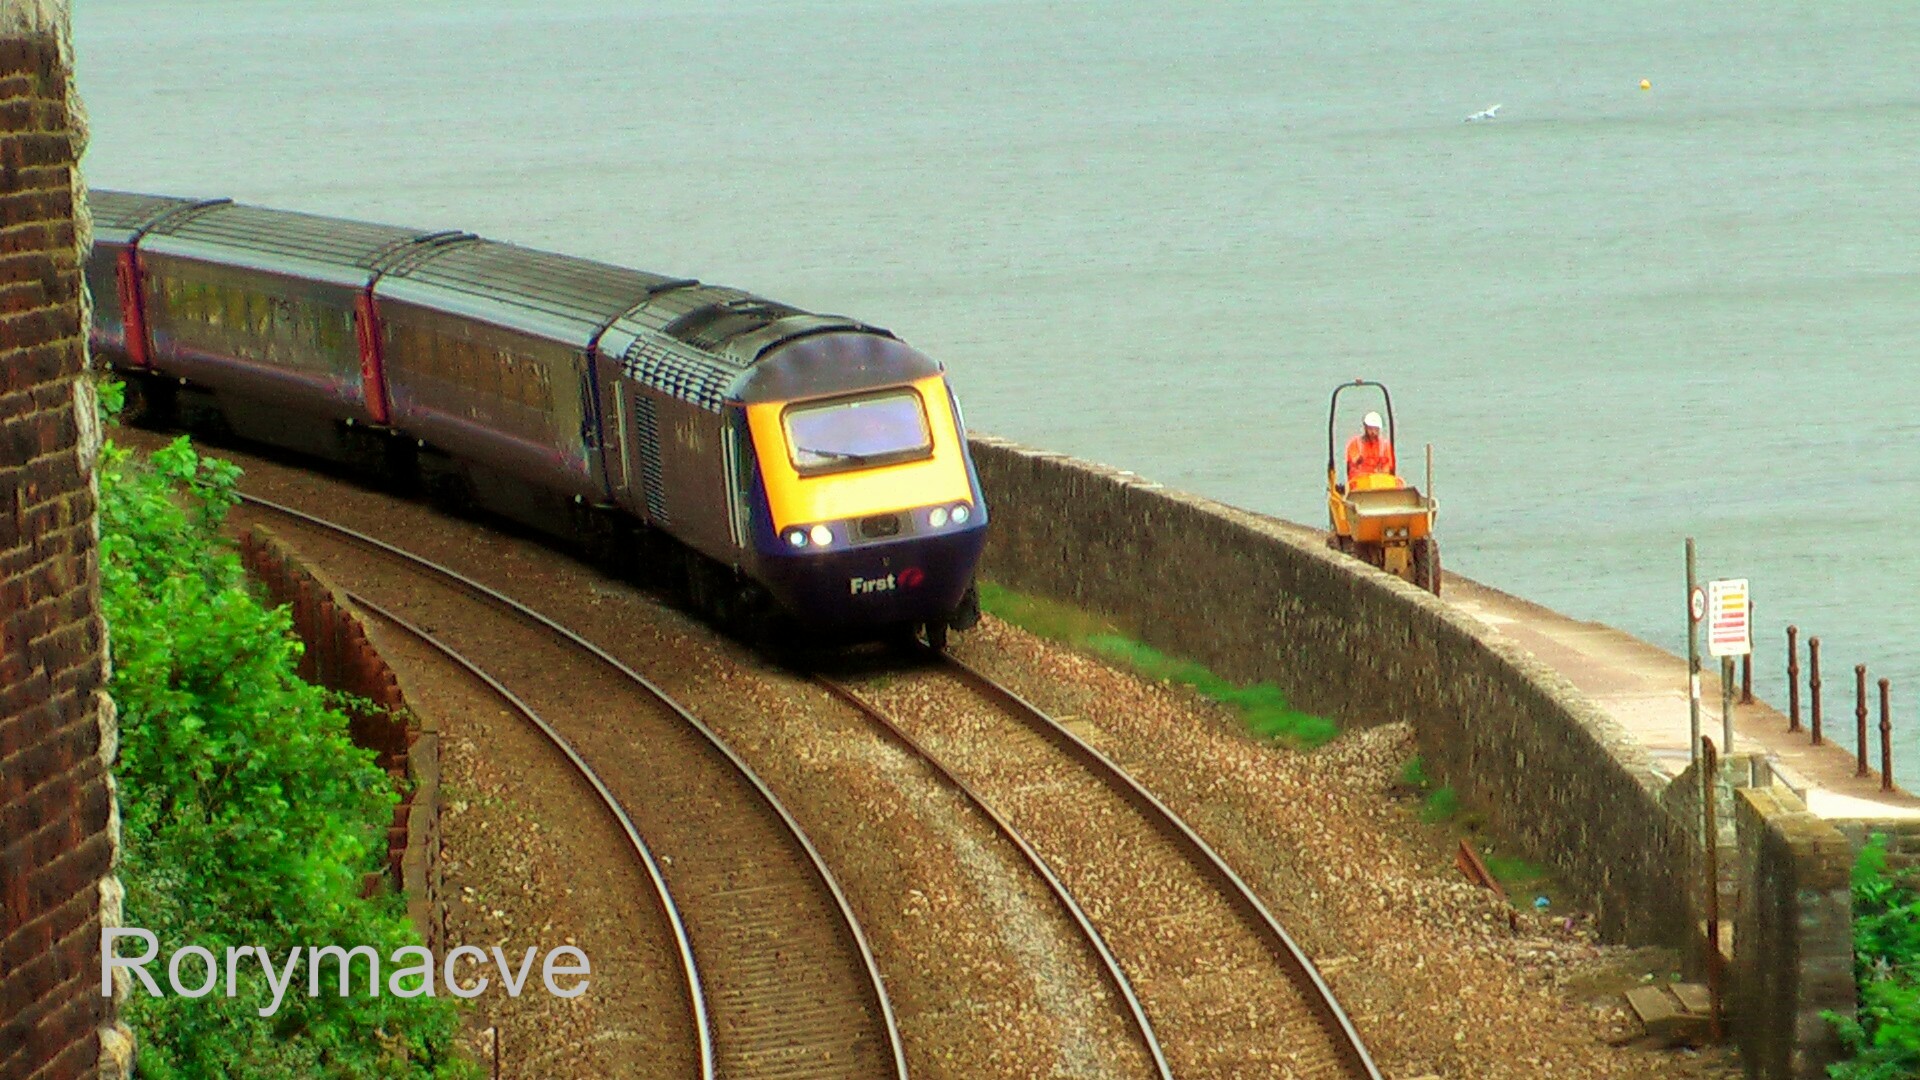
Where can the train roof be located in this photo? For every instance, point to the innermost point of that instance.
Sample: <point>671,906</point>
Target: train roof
<point>119,217</point>
<point>704,343</point>
<point>284,241</point>
<point>830,363</point>
<point>554,295</point>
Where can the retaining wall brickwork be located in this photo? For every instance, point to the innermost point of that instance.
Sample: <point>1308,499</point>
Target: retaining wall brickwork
<point>59,825</point>
<point>339,655</point>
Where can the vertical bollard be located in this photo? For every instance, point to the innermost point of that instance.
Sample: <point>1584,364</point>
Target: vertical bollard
<point>1746,664</point>
<point>1860,716</point>
<point>1813,684</point>
<point>1793,678</point>
<point>1886,739</point>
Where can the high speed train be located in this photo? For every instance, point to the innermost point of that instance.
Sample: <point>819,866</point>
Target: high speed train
<point>788,473</point>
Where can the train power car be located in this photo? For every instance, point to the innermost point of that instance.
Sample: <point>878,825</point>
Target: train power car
<point>790,474</point>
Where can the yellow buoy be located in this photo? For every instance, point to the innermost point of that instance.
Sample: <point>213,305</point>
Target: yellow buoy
<point>1646,84</point>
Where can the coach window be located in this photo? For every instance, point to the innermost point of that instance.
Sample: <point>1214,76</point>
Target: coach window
<point>855,433</point>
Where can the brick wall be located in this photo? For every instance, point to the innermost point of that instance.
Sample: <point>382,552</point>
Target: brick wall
<point>59,828</point>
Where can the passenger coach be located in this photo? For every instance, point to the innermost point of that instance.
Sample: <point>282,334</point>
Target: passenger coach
<point>788,472</point>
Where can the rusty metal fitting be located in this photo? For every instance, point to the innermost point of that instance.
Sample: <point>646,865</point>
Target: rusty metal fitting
<point>1860,716</point>
<point>1793,678</point>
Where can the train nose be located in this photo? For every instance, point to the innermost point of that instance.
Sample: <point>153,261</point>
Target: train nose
<point>878,584</point>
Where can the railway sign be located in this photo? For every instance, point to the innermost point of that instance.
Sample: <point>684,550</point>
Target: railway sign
<point>1729,630</point>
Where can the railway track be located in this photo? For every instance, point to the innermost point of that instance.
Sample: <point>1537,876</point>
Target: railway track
<point>1219,981</point>
<point>1139,1025</point>
<point>698,1015</point>
<point>780,975</point>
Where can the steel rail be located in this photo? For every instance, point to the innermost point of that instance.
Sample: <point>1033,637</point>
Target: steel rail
<point>702,1022</point>
<point>848,922</point>
<point>1121,983</point>
<point>1341,1031</point>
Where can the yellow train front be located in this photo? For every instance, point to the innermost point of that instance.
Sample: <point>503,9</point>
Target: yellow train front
<point>813,467</point>
<point>866,512</point>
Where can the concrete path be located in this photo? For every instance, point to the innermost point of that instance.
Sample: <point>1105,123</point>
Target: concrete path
<point>1644,688</point>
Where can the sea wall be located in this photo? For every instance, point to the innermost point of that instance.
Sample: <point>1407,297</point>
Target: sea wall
<point>1793,935</point>
<point>1260,600</point>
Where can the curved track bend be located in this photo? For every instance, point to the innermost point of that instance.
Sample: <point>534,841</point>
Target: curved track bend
<point>783,967</point>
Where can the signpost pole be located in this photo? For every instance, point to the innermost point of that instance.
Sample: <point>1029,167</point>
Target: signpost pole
<point>1726,703</point>
<point>1696,607</point>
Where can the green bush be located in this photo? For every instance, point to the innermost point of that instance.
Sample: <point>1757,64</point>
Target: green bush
<point>1885,1038</point>
<point>249,817</point>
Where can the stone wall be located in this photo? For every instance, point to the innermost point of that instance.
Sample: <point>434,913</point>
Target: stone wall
<point>1793,935</point>
<point>59,826</point>
<point>1260,600</point>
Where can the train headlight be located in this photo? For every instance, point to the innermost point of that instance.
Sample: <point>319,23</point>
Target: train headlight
<point>798,538</point>
<point>822,536</point>
<point>961,514</point>
<point>937,516</point>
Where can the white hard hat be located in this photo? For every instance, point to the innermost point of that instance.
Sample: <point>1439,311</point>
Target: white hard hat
<point>1371,420</point>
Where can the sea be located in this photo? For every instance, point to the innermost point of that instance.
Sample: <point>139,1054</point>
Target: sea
<point>1670,289</point>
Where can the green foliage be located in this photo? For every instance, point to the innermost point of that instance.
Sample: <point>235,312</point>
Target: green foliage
<point>1514,873</point>
<point>1262,707</point>
<point>1442,805</point>
<point>1039,615</point>
<point>1414,774</point>
<point>1885,1037</point>
<point>249,817</point>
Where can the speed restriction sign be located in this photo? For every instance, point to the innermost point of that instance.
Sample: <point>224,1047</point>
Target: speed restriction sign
<point>1697,604</point>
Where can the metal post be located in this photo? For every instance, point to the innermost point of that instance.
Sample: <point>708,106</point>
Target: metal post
<point>1693,658</point>
<point>1860,716</point>
<point>1746,663</point>
<point>1813,684</point>
<point>1886,739</point>
<point>1429,472</point>
<point>1726,703</point>
<point>1793,678</point>
<point>1710,851</point>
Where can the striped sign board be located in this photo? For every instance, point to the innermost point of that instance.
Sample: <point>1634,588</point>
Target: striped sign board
<point>1729,622</point>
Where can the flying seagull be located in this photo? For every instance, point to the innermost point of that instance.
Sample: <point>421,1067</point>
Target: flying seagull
<point>1484,114</point>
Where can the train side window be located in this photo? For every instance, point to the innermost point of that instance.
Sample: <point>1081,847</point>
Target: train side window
<point>739,478</point>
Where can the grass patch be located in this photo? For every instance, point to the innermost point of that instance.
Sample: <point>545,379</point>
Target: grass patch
<point>1442,805</point>
<point>1262,707</point>
<point>1041,616</point>
<point>1515,874</point>
<point>1414,774</point>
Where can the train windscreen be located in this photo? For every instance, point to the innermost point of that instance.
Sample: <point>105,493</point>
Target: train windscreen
<point>856,433</point>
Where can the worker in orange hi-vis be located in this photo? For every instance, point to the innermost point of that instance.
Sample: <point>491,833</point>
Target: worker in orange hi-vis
<point>1369,453</point>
